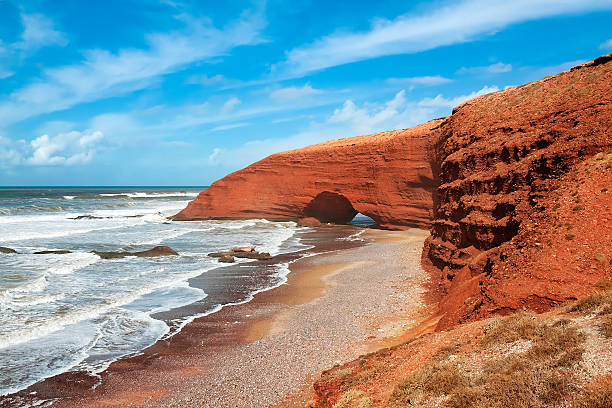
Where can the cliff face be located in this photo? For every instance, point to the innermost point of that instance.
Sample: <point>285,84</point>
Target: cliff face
<point>521,203</point>
<point>386,176</point>
<point>504,163</point>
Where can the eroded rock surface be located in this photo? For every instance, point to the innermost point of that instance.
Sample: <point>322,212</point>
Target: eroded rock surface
<point>386,176</point>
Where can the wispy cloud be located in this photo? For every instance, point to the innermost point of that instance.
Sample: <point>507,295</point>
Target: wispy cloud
<point>606,45</point>
<point>451,23</point>
<point>39,31</point>
<point>230,104</point>
<point>555,69</point>
<point>103,74</point>
<point>230,126</point>
<point>497,68</point>
<point>293,92</point>
<point>421,80</point>
<point>441,102</point>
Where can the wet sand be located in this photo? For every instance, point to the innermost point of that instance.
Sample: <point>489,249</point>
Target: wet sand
<point>349,300</point>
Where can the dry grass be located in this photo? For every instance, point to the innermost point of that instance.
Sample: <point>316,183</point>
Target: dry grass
<point>600,300</point>
<point>595,396</point>
<point>538,373</point>
<point>353,399</point>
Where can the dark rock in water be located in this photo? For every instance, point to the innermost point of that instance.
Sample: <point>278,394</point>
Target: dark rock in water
<point>218,254</point>
<point>157,251</point>
<point>59,252</point>
<point>261,256</point>
<point>86,217</point>
<point>253,255</point>
<point>4,250</point>
<point>227,259</point>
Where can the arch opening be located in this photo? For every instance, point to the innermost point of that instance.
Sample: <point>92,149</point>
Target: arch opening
<point>330,207</point>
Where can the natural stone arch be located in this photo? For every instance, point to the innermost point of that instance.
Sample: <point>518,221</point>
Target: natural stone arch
<point>330,207</point>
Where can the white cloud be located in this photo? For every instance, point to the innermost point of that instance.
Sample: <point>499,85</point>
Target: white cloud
<point>103,74</point>
<point>446,24</point>
<point>230,105</point>
<point>607,45</point>
<point>292,92</point>
<point>441,102</point>
<point>212,158</point>
<point>64,149</point>
<point>394,114</point>
<point>38,31</point>
<point>230,126</point>
<point>10,154</point>
<point>421,80</point>
<point>207,80</point>
<point>498,68</point>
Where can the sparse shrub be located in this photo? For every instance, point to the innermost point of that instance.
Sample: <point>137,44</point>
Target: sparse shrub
<point>595,396</point>
<point>347,399</point>
<point>606,325</point>
<point>570,237</point>
<point>578,208</point>
<point>539,373</point>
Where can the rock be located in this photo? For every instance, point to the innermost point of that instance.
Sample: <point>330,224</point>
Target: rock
<point>156,251</point>
<point>386,176</point>
<point>227,259</point>
<point>499,156</point>
<point>308,222</point>
<point>600,258</point>
<point>250,248</point>
<point>262,256</point>
<point>59,252</point>
<point>4,250</point>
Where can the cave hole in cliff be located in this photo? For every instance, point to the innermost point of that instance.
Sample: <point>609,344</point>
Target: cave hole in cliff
<point>330,207</point>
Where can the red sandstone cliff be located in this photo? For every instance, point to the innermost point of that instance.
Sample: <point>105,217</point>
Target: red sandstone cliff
<point>386,176</point>
<point>522,206</point>
<point>516,170</point>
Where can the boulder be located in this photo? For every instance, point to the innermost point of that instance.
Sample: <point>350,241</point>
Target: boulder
<point>261,256</point>
<point>4,250</point>
<point>227,259</point>
<point>157,251</point>
<point>308,222</point>
<point>59,252</point>
<point>250,248</point>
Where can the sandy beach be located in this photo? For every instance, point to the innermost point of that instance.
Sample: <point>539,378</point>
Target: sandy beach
<point>354,297</point>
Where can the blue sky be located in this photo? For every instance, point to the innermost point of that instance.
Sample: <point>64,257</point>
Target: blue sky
<point>171,92</point>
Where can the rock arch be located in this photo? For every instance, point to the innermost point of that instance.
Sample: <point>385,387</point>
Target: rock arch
<point>330,207</point>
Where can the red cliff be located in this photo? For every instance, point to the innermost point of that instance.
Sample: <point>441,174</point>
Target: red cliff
<point>386,176</point>
<point>523,219</point>
<point>516,186</point>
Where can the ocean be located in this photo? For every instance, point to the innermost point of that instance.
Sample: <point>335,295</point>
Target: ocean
<point>76,311</point>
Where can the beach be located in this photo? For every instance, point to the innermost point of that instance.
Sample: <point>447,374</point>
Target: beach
<point>351,298</point>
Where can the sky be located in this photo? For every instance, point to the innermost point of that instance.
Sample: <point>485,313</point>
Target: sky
<point>179,92</point>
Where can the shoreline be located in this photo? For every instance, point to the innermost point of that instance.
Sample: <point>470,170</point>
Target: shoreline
<point>214,359</point>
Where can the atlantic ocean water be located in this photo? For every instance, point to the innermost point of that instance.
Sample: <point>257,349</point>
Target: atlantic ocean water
<point>76,311</point>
